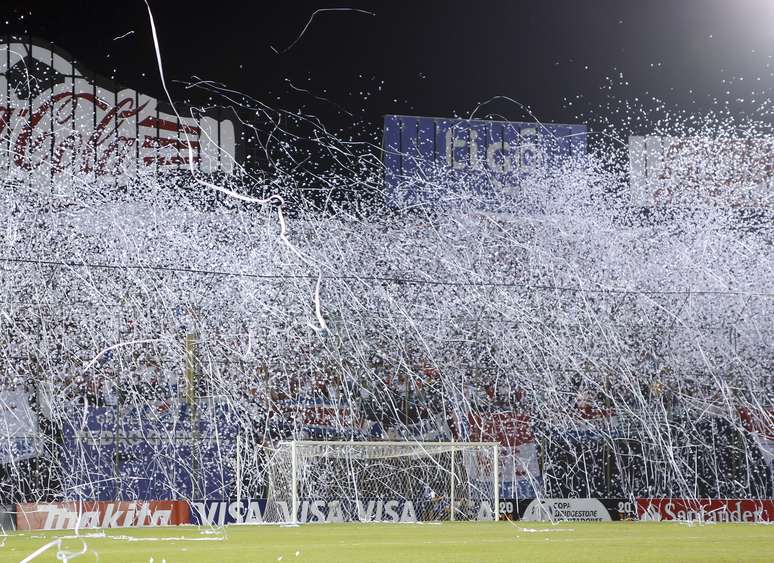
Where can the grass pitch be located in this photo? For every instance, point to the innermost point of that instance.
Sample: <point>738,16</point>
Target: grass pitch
<point>489,542</point>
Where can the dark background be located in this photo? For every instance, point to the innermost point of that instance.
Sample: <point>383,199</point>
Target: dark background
<point>569,61</point>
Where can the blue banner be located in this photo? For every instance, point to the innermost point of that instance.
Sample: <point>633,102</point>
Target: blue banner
<point>434,161</point>
<point>155,451</point>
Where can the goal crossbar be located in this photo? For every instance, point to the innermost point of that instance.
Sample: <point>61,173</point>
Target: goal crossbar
<point>385,443</point>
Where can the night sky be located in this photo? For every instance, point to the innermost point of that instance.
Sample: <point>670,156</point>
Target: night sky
<point>569,61</point>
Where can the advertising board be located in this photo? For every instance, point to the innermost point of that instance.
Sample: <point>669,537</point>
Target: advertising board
<point>438,161</point>
<point>567,509</point>
<point>706,510</point>
<point>101,514</point>
<point>221,512</point>
<point>394,510</point>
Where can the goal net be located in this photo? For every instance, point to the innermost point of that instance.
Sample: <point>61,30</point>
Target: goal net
<point>382,482</point>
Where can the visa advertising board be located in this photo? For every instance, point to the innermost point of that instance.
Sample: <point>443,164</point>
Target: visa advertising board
<point>395,510</point>
<point>440,161</point>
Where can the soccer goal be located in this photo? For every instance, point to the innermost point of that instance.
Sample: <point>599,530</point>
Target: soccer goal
<point>311,481</point>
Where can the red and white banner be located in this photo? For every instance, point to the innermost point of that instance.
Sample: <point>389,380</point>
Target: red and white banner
<point>519,467</point>
<point>701,171</point>
<point>57,119</point>
<point>101,514</point>
<point>706,510</point>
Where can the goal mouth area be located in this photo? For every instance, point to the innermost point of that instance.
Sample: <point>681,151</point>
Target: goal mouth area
<point>382,481</point>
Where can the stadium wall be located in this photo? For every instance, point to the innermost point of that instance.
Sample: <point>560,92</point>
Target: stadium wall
<point>123,514</point>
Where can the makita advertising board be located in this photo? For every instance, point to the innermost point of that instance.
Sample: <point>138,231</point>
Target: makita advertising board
<point>154,451</point>
<point>436,161</point>
<point>706,510</point>
<point>57,118</point>
<point>101,514</point>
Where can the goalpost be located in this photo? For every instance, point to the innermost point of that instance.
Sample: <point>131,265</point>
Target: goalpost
<point>317,481</point>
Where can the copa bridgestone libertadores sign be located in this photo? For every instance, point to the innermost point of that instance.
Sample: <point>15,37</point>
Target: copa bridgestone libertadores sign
<point>567,509</point>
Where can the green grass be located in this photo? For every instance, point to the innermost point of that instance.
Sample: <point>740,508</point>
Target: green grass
<point>489,542</point>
